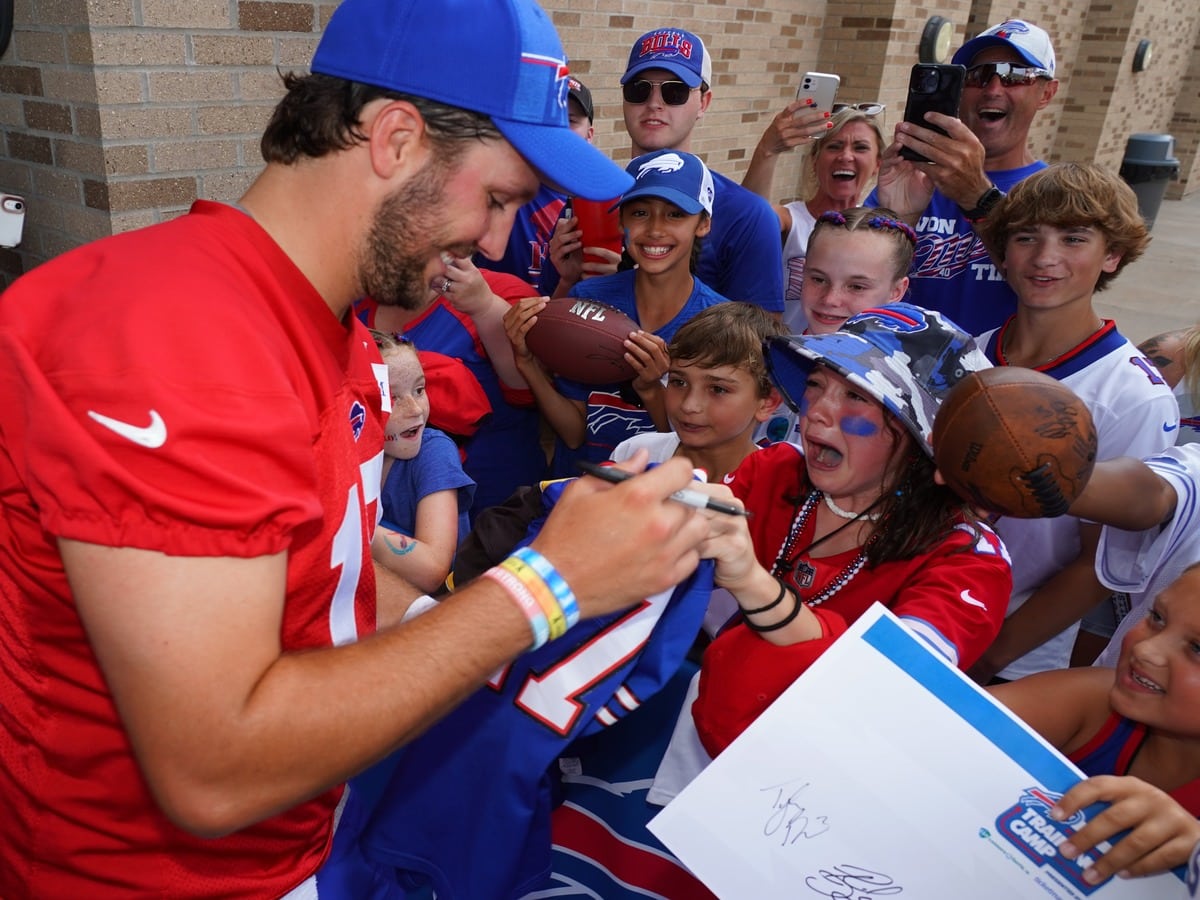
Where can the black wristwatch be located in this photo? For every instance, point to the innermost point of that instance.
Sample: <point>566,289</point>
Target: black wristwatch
<point>990,198</point>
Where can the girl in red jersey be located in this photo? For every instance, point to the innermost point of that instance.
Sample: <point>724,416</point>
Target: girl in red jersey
<point>851,517</point>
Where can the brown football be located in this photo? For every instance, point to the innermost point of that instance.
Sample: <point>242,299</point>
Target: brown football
<point>1015,441</point>
<point>583,340</point>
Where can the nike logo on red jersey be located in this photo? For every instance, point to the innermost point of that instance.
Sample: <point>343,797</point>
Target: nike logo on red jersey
<point>151,436</point>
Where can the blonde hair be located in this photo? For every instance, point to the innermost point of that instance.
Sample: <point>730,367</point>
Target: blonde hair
<point>840,119</point>
<point>1190,359</point>
<point>878,219</point>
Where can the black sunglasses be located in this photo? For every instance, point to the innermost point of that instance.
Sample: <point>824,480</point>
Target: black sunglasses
<point>1011,75</point>
<point>674,93</point>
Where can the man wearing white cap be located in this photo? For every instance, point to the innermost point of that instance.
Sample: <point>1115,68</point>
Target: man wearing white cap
<point>1010,76</point>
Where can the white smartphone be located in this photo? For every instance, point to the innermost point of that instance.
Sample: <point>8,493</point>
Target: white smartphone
<point>821,87</point>
<point>12,219</point>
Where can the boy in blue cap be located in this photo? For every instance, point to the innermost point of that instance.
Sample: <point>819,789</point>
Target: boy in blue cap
<point>187,524</point>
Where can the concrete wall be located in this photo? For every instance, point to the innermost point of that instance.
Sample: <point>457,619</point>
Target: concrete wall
<point>118,113</point>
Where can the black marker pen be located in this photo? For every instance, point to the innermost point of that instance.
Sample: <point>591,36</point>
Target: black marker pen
<point>697,499</point>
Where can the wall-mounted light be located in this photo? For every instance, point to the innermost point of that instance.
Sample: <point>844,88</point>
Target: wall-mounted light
<point>1141,56</point>
<point>934,46</point>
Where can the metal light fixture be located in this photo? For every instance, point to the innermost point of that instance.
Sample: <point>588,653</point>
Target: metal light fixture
<point>936,37</point>
<point>1141,56</point>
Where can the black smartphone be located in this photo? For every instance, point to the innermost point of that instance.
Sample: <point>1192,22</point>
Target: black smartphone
<point>932,87</point>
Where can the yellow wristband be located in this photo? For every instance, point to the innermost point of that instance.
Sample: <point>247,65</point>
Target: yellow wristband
<point>555,617</point>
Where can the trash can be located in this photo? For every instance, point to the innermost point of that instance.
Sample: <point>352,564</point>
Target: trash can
<point>1148,165</point>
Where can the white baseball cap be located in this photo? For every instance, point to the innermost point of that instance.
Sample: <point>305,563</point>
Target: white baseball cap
<point>1031,43</point>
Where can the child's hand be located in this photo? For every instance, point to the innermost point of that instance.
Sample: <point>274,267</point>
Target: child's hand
<point>647,353</point>
<point>566,250</point>
<point>522,316</point>
<point>467,292</point>
<point>728,543</point>
<point>1161,832</point>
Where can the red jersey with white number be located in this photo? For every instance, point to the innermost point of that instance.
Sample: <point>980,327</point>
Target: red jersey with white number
<point>953,596</point>
<point>182,389</point>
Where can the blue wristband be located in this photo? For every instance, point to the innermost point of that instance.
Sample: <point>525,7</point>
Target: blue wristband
<point>557,584</point>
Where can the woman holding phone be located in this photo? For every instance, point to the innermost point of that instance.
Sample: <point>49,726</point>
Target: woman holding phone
<point>843,152</point>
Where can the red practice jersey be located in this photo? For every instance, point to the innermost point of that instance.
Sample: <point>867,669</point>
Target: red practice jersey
<point>954,596</point>
<point>181,389</point>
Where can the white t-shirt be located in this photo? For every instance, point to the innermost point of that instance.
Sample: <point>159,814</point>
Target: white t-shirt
<point>1142,563</point>
<point>795,246</point>
<point>661,444</point>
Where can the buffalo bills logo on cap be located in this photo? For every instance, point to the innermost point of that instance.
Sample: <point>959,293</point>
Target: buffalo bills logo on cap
<point>1008,29</point>
<point>667,163</point>
<point>667,43</point>
<point>908,322</point>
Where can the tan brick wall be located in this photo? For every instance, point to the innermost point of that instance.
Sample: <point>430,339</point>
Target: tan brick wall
<point>117,113</point>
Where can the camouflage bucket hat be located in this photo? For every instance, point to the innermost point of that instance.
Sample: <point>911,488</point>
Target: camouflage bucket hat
<point>906,357</point>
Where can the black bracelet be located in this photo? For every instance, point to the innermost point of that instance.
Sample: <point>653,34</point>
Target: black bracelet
<point>774,603</point>
<point>786,620</point>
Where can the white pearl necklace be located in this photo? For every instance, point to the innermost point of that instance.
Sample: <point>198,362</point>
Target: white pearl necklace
<point>847,514</point>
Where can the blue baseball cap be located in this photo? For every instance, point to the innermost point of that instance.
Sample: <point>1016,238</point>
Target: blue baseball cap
<point>501,58</point>
<point>671,175</point>
<point>679,52</point>
<point>906,357</point>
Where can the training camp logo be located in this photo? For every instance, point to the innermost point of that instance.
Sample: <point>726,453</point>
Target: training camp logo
<point>1028,827</point>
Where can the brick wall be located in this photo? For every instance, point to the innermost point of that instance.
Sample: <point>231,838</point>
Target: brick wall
<point>118,113</point>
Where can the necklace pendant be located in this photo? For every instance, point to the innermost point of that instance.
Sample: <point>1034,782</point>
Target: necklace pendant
<point>804,574</point>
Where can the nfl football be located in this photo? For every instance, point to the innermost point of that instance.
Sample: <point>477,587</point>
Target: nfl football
<point>1015,441</point>
<point>583,340</point>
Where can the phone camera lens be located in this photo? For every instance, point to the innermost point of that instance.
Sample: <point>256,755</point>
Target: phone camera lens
<point>929,83</point>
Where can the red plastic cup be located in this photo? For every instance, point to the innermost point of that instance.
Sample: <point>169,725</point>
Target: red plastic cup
<point>600,227</point>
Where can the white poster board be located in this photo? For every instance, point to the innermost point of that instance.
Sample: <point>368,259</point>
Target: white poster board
<point>884,771</point>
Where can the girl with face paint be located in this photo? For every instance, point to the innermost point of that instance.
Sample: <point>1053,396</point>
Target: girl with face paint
<point>851,515</point>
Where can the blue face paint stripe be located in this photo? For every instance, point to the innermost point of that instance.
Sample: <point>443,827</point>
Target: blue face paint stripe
<point>858,426</point>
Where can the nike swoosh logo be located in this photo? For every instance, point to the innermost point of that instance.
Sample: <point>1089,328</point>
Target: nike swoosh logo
<point>1169,428</point>
<point>966,597</point>
<point>151,436</point>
